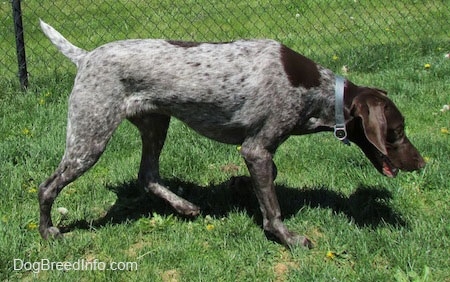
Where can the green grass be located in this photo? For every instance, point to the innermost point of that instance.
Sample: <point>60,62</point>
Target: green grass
<point>372,228</point>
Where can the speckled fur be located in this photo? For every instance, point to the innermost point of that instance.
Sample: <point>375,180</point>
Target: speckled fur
<point>254,92</point>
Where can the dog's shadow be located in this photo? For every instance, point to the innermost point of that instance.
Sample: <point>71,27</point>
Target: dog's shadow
<point>366,207</point>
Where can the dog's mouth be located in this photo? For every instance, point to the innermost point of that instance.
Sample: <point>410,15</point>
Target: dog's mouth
<point>388,168</point>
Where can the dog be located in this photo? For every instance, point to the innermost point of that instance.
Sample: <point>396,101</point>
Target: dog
<point>252,93</point>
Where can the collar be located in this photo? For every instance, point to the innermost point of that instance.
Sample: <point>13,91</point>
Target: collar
<point>339,129</point>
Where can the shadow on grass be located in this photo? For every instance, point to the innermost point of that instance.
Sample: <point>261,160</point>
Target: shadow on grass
<point>367,206</point>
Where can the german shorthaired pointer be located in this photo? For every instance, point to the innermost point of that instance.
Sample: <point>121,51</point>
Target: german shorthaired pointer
<point>255,93</point>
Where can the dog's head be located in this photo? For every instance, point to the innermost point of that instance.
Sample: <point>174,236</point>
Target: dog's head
<point>378,128</point>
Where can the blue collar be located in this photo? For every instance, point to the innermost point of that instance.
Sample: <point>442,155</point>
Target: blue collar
<point>339,129</point>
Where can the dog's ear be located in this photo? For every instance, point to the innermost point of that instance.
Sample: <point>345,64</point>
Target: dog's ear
<point>371,110</point>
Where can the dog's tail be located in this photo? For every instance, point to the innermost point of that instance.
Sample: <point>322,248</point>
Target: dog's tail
<point>69,50</point>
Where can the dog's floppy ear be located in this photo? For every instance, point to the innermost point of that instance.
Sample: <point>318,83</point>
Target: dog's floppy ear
<point>371,109</point>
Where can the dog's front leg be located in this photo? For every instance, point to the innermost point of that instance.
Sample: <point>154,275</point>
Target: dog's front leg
<point>261,167</point>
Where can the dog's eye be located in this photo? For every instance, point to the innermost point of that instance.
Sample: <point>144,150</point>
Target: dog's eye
<point>390,138</point>
<point>395,135</point>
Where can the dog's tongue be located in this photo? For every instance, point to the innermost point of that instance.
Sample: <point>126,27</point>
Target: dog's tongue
<point>388,170</point>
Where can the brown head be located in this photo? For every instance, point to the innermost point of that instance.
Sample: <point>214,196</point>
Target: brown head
<point>378,128</point>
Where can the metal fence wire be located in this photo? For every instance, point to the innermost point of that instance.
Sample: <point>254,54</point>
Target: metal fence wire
<point>315,28</point>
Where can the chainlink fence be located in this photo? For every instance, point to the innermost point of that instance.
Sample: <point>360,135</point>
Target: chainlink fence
<point>318,28</point>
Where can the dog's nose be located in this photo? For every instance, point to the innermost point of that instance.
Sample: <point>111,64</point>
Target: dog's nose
<point>421,163</point>
<point>415,162</point>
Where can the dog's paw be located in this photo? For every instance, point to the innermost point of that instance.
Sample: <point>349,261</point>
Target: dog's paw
<point>51,233</point>
<point>188,209</point>
<point>297,240</point>
<point>305,242</point>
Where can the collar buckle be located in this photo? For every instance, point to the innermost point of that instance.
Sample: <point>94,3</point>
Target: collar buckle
<point>341,133</point>
<point>339,129</point>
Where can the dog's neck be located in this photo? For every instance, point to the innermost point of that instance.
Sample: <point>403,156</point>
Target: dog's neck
<point>323,118</point>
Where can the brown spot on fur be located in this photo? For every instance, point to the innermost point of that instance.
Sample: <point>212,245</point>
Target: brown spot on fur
<point>299,69</point>
<point>184,44</point>
<point>190,44</point>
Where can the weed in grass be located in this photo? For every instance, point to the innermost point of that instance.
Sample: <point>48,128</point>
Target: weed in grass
<point>401,276</point>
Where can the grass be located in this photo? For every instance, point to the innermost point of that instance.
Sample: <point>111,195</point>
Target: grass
<point>365,227</point>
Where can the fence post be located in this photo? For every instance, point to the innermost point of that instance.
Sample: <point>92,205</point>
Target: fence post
<point>20,44</point>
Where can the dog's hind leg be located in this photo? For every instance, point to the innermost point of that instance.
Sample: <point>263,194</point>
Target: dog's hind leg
<point>153,130</point>
<point>87,136</point>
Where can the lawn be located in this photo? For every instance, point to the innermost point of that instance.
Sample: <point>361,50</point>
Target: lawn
<point>365,227</point>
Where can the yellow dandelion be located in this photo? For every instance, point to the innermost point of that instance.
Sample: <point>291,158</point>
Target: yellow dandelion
<point>426,159</point>
<point>330,255</point>
<point>32,190</point>
<point>25,131</point>
<point>444,130</point>
<point>239,148</point>
<point>209,227</point>
<point>427,66</point>
<point>32,226</point>
<point>335,58</point>
<point>41,101</point>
